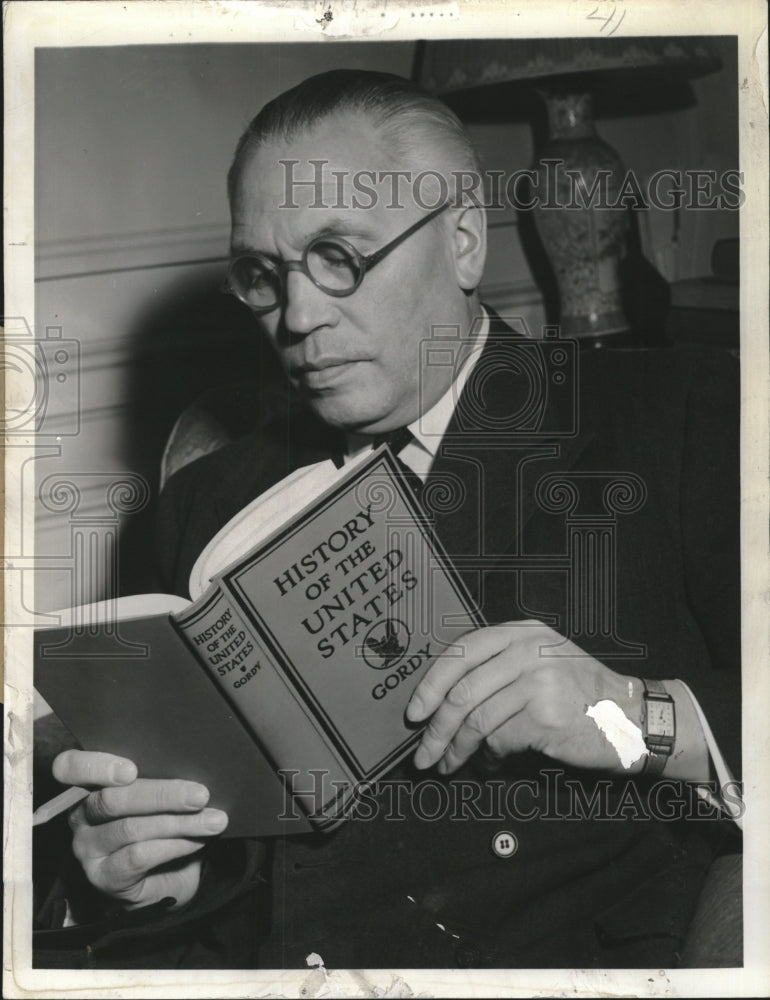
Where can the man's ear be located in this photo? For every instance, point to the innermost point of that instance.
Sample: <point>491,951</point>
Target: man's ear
<point>470,246</point>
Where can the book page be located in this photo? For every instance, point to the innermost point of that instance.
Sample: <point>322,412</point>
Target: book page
<point>120,608</point>
<point>260,518</point>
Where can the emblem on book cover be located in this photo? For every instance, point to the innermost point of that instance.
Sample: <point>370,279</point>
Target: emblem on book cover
<point>386,643</point>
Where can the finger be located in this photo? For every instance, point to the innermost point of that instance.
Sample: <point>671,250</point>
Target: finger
<point>466,705</point>
<point>82,767</point>
<point>447,669</point>
<point>143,797</point>
<point>125,868</point>
<point>178,883</point>
<point>485,720</point>
<point>107,838</point>
<point>515,735</point>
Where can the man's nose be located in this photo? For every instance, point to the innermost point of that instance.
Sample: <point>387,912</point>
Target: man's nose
<point>306,307</point>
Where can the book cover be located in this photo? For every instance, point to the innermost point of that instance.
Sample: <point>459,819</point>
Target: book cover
<point>311,645</point>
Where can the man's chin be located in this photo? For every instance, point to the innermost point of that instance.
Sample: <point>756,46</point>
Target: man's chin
<point>343,413</point>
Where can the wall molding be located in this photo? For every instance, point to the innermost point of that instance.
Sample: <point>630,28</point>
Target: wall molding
<point>108,253</point>
<point>102,353</point>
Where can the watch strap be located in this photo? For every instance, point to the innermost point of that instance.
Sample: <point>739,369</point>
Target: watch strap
<point>658,753</point>
<point>652,686</point>
<point>654,763</point>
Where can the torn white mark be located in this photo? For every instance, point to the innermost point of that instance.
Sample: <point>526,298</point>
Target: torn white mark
<point>630,689</point>
<point>619,730</point>
<point>441,927</point>
<point>318,983</point>
<point>399,989</point>
<point>344,983</point>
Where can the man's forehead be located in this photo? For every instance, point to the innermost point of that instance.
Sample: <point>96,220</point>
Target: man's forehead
<point>344,143</point>
<point>342,176</point>
<point>300,225</point>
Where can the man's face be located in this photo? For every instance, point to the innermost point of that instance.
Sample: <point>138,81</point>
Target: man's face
<point>356,360</point>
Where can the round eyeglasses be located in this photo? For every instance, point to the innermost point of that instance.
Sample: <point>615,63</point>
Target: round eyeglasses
<point>331,263</point>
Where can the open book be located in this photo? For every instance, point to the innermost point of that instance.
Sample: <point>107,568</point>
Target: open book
<point>282,685</point>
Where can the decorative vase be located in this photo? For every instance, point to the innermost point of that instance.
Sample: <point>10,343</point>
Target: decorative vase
<point>582,227</point>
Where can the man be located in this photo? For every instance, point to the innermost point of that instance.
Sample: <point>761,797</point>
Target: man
<point>349,280</point>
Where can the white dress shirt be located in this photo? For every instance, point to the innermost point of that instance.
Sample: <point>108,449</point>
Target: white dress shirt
<point>429,428</point>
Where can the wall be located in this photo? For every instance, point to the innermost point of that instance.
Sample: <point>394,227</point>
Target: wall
<point>132,148</point>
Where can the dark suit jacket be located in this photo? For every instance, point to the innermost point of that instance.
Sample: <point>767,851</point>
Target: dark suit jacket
<point>540,478</point>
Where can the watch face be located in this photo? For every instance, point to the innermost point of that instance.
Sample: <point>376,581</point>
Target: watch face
<point>660,718</point>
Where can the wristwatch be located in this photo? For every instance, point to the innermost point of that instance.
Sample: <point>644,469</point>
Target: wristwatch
<point>658,725</point>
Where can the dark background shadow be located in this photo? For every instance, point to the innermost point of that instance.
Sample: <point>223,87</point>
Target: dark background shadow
<point>192,339</point>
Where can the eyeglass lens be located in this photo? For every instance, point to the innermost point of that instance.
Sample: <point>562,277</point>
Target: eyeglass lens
<point>256,281</point>
<point>332,266</point>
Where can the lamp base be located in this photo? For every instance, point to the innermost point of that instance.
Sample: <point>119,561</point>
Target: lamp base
<point>599,324</point>
<point>583,233</point>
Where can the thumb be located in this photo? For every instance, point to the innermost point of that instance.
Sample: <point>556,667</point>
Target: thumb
<point>92,769</point>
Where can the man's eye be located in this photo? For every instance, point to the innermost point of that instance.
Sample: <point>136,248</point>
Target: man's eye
<point>257,277</point>
<point>332,255</point>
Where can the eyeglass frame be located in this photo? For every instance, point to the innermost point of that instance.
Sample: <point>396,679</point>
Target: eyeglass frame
<point>365,263</point>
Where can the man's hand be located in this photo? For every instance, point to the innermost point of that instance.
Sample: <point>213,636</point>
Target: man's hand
<point>134,837</point>
<point>511,693</point>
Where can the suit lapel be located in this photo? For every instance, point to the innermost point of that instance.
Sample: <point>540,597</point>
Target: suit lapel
<point>271,454</point>
<point>513,424</point>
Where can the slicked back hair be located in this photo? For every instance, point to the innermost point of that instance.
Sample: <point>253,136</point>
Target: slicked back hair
<point>408,116</point>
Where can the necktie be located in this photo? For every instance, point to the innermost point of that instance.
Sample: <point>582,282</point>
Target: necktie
<point>397,440</point>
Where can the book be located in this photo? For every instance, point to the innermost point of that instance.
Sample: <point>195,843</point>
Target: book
<point>282,684</point>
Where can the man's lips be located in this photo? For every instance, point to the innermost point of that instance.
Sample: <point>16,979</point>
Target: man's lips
<point>323,371</point>
<point>324,361</point>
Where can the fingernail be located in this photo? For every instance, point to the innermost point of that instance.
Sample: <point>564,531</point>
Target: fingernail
<point>421,758</point>
<point>216,821</point>
<point>415,710</point>
<point>124,772</point>
<point>196,796</point>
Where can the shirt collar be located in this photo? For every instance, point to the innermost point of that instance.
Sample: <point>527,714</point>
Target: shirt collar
<point>429,428</point>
